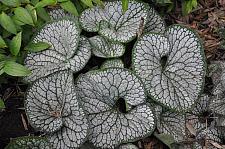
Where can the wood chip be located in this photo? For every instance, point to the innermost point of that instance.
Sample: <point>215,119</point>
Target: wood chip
<point>215,144</point>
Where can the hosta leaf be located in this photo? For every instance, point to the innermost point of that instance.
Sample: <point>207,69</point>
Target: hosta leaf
<point>2,43</point>
<point>44,3</point>
<point>171,66</point>
<point>87,2</point>
<point>42,13</point>
<point>69,6</point>
<point>37,47</point>
<point>114,100</point>
<point>7,23</point>
<point>32,11</point>
<point>113,63</point>
<point>23,15</point>
<point>154,22</point>
<point>28,142</point>
<point>15,69</point>
<point>2,57</point>
<point>125,5</point>
<point>12,3</point>
<point>52,107</point>
<point>25,1</point>
<point>15,44</point>
<point>64,53</point>
<point>106,49</point>
<point>112,22</point>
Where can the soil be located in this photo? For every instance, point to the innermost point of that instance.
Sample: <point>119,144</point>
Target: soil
<point>206,19</point>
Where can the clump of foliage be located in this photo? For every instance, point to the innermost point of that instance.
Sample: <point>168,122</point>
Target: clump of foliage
<point>19,20</point>
<point>111,103</point>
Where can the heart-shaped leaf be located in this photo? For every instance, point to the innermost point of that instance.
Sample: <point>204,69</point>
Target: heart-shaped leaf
<point>171,66</point>
<point>114,100</point>
<point>112,22</point>
<point>64,53</point>
<point>52,107</point>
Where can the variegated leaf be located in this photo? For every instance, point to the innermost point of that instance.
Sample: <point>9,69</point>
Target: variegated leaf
<point>58,14</point>
<point>171,66</point>
<point>52,107</point>
<point>64,53</point>
<point>114,100</point>
<point>105,48</point>
<point>154,22</point>
<point>128,146</point>
<point>113,63</point>
<point>112,22</point>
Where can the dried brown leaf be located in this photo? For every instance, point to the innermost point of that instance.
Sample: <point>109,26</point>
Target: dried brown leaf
<point>191,128</point>
<point>215,144</point>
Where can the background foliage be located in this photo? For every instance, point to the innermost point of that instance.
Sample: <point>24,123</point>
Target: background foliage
<point>19,19</point>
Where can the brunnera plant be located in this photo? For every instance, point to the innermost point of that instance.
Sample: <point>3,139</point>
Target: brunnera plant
<point>111,105</point>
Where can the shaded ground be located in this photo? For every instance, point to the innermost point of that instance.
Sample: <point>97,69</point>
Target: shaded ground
<point>207,19</point>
